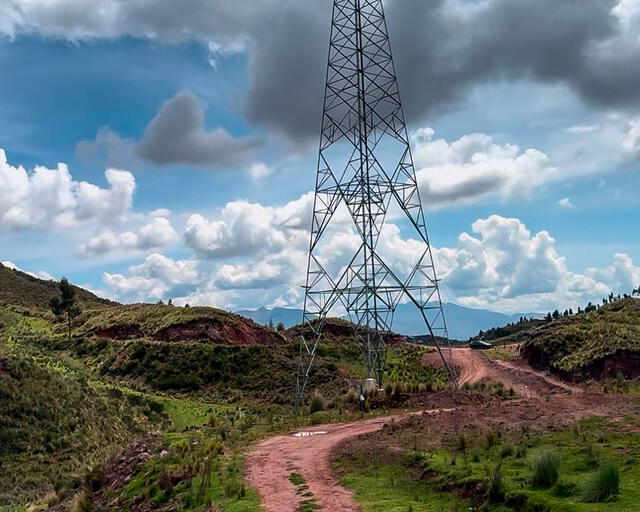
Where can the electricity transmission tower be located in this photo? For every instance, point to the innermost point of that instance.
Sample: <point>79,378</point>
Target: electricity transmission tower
<point>365,170</point>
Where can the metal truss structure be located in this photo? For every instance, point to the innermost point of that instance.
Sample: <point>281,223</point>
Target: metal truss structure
<point>365,170</point>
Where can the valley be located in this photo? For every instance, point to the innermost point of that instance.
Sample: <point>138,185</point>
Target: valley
<point>154,407</point>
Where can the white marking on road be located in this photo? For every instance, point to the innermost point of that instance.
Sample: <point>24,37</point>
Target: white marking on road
<point>310,434</point>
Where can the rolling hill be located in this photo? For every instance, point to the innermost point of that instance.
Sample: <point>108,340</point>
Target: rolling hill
<point>20,289</point>
<point>598,344</point>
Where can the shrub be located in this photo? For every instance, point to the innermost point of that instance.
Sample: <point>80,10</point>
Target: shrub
<point>563,489</point>
<point>591,457</point>
<point>83,502</point>
<point>495,489</point>
<point>604,484</point>
<point>318,403</point>
<point>506,450</point>
<point>351,397</point>
<point>546,470</point>
<point>521,451</point>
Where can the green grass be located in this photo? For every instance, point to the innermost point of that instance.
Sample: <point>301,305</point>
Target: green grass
<point>16,322</point>
<point>56,424</point>
<point>183,413</point>
<point>387,488</point>
<point>396,485</point>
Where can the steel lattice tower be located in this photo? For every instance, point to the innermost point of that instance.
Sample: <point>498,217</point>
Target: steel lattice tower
<point>365,168</point>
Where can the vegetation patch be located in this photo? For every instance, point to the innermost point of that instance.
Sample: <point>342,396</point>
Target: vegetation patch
<point>498,470</point>
<point>56,425</point>
<point>599,343</point>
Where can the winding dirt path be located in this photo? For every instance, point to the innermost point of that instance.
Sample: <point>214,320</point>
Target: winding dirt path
<point>474,366</point>
<point>272,462</point>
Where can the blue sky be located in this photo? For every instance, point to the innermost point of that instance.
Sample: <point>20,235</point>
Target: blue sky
<point>218,214</point>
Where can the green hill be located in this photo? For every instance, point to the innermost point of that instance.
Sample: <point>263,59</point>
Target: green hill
<point>598,344</point>
<point>56,425</point>
<point>69,405</point>
<point>20,289</point>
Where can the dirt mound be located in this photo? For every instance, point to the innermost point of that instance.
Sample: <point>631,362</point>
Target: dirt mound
<point>172,324</point>
<point>219,332</point>
<point>119,473</point>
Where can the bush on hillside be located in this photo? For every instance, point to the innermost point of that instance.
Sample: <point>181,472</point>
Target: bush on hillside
<point>318,403</point>
<point>603,485</point>
<point>546,470</point>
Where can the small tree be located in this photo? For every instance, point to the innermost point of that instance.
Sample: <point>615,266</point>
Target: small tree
<point>280,326</point>
<point>65,304</point>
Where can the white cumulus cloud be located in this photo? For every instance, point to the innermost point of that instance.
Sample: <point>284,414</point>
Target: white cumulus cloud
<point>50,198</point>
<point>158,233</point>
<point>155,277</point>
<point>475,167</point>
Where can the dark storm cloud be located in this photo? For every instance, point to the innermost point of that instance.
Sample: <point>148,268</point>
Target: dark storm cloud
<point>442,49</point>
<point>177,135</point>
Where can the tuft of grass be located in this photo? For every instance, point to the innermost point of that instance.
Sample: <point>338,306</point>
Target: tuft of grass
<point>591,456</point>
<point>603,485</point>
<point>495,487</point>
<point>563,489</point>
<point>297,479</point>
<point>506,450</point>
<point>83,502</point>
<point>546,470</point>
<point>318,403</point>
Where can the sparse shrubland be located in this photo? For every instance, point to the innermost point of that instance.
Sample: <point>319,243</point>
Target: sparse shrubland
<point>498,470</point>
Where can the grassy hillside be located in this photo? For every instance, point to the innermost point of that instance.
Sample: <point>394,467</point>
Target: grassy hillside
<point>204,381</point>
<point>595,344</point>
<point>56,424</point>
<point>20,289</point>
<point>167,323</point>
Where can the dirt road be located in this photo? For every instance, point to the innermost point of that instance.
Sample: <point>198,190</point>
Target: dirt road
<point>270,467</point>
<point>272,462</point>
<point>474,366</point>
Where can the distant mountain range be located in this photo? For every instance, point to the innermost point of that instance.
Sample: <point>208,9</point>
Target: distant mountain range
<point>462,322</point>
